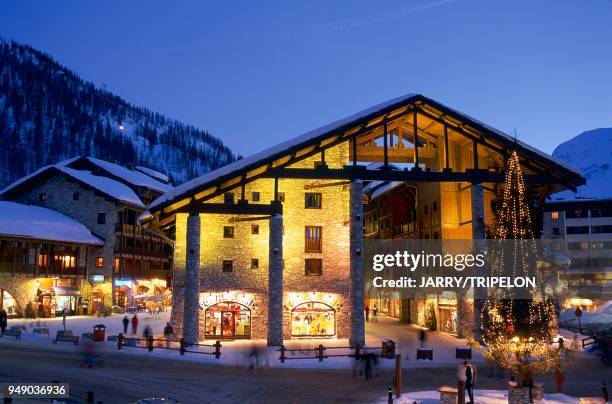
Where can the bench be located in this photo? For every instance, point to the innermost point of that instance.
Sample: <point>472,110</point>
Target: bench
<point>66,338</point>
<point>41,331</point>
<point>423,353</point>
<point>12,333</point>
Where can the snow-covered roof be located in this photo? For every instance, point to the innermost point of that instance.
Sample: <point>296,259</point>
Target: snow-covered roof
<point>136,178</point>
<point>34,222</point>
<point>258,159</point>
<point>107,186</point>
<point>152,173</point>
<point>385,188</point>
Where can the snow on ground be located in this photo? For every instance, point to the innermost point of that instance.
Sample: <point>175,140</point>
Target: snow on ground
<point>39,223</point>
<point>599,321</point>
<point>480,396</point>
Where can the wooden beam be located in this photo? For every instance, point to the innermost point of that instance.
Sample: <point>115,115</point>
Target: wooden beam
<point>446,151</point>
<point>232,209</point>
<point>415,128</point>
<point>386,147</point>
<point>329,184</point>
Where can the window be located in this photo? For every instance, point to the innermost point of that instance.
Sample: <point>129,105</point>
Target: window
<point>117,264</point>
<point>281,196</point>
<point>313,200</point>
<point>600,245</point>
<point>228,231</point>
<point>556,231</point>
<point>601,229</point>
<point>255,197</point>
<point>228,266</point>
<point>313,239</point>
<point>75,196</point>
<point>601,212</point>
<point>228,198</point>
<point>434,206</point>
<point>313,267</point>
<point>101,218</point>
<point>576,213</point>
<point>42,197</point>
<point>554,215</point>
<point>42,260</point>
<point>254,229</point>
<point>99,262</point>
<point>254,263</point>
<point>578,230</point>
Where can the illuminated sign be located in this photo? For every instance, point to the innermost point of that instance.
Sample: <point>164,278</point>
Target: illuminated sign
<point>96,278</point>
<point>123,282</point>
<point>210,299</point>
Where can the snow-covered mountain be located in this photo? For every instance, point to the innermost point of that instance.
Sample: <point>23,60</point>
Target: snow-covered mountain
<point>49,114</point>
<point>591,152</point>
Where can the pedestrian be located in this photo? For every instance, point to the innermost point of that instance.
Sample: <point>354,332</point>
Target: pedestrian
<point>64,314</point>
<point>470,380</point>
<point>126,322</point>
<point>148,332</point>
<point>134,324</point>
<point>559,379</point>
<point>367,311</point>
<point>422,337</point>
<point>375,312</point>
<point>3,320</point>
<point>368,367</point>
<point>168,331</point>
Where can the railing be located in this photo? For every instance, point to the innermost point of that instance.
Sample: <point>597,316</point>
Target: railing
<point>149,345</point>
<point>576,328</point>
<point>138,251</point>
<point>30,269</point>
<point>313,246</point>
<point>319,352</point>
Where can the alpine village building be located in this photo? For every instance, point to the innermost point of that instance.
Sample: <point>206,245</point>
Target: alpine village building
<point>271,245</point>
<point>70,239</point>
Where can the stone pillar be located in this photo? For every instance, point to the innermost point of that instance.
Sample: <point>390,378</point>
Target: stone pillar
<point>405,311</point>
<point>478,235</point>
<point>275,282</point>
<point>356,261</point>
<point>191,308</point>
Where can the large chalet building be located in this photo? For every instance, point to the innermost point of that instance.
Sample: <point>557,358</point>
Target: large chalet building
<point>126,265</point>
<point>271,246</point>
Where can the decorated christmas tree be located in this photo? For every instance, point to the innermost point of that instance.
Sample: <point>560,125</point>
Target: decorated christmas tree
<point>516,329</point>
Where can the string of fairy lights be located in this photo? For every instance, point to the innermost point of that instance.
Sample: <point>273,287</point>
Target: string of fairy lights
<point>514,232</point>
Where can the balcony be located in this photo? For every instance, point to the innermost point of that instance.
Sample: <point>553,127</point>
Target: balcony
<point>29,269</point>
<point>137,252</point>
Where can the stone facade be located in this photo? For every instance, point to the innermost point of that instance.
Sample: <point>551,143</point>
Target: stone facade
<point>251,241</point>
<point>22,288</point>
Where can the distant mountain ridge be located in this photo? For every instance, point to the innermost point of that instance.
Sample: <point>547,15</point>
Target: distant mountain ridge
<point>591,152</point>
<point>48,114</point>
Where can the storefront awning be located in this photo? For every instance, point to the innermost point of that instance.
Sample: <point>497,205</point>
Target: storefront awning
<point>66,291</point>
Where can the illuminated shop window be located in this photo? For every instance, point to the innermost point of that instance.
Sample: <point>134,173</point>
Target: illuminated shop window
<point>228,320</point>
<point>313,319</point>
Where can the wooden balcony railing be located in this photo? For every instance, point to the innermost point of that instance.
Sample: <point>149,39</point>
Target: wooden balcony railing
<point>30,269</point>
<point>313,246</point>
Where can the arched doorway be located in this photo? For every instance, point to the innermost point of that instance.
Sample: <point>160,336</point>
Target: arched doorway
<point>228,319</point>
<point>9,303</point>
<point>313,319</point>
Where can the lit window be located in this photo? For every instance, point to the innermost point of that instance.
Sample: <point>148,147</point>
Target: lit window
<point>228,232</point>
<point>117,264</point>
<point>254,263</point>
<point>99,262</point>
<point>554,215</point>
<point>255,197</point>
<point>313,239</point>
<point>313,200</point>
<point>42,260</point>
<point>254,229</point>
<point>313,267</point>
<point>228,266</point>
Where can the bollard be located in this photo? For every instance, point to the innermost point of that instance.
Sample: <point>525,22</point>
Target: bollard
<point>398,376</point>
<point>390,395</point>
<point>460,392</point>
<point>182,346</point>
<point>218,349</point>
<point>150,343</point>
<point>282,351</point>
<point>120,338</point>
<point>320,352</point>
<point>89,397</point>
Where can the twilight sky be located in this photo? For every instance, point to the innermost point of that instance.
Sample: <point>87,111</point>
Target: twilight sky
<point>255,73</point>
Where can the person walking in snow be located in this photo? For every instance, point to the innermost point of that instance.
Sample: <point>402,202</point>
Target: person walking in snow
<point>422,337</point>
<point>126,322</point>
<point>168,331</point>
<point>3,320</point>
<point>148,332</point>
<point>470,380</point>
<point>134,324</point>
<point>367,311</point>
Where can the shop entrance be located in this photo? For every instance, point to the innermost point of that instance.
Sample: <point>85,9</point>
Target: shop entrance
<point>230,320</point>
<point>8,303</point>
<point>313,319</point>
